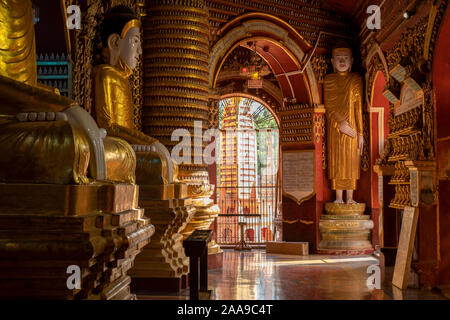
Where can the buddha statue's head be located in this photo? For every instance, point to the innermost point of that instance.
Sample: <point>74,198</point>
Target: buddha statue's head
<point>342,59</point>
<point>120,36</point>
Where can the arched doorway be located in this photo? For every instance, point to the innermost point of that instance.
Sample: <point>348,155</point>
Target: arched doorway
<point>293,85</point>
<point>247,169</point>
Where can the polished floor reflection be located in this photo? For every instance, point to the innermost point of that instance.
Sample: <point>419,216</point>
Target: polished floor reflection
<point>256,275</point>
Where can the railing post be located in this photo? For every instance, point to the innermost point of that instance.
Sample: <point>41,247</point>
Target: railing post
<point>193,278</point>
<point>204,270</point>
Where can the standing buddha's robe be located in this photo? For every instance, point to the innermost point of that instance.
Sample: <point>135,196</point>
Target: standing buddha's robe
<point>343,102</point>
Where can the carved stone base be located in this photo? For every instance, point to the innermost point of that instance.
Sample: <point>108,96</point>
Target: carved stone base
<point>44,229</point>
<point>345,230</point>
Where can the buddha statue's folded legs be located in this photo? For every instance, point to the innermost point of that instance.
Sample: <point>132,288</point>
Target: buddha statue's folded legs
<point>44,138</point>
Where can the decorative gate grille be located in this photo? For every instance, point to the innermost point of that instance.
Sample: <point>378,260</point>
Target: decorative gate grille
<point>247,186</point>
<point>247,172</point>
<point>257,216</point>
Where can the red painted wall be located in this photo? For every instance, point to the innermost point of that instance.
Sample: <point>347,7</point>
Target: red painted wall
<point>378,101</point>
<point>444,226</point>
<point>441,79</point>
<point>441,82</point>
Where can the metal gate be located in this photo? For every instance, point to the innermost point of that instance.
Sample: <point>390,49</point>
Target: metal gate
<point>258,227</point>
<point>247,192</point>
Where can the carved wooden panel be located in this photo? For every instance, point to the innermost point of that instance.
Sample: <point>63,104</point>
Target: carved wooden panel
<point>405,248</point>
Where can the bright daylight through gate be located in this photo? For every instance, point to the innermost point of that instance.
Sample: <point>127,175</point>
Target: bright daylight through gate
<point>247,172</point>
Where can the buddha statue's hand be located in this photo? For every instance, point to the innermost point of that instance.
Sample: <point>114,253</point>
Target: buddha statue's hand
<point>345,128</point>
<point>361,144</point>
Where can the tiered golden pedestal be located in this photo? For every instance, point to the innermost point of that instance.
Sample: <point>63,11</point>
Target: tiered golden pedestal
<point>46,228</point>
<point>344,229</point>
<point>163,266</point>
<point>205,213</point>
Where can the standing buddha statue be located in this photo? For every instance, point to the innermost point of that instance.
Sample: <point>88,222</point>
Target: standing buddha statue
<point>343,92</point>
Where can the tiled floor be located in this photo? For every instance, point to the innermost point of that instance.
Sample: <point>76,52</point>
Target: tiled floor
<point>256,275</point>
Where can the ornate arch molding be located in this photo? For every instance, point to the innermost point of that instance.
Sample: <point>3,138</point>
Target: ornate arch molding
<point>375,62</point>
<point>259,24</point>
<point>436,18</point>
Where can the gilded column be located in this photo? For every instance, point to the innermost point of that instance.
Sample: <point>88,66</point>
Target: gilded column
<point>176,53</point>
<point>176,91</point>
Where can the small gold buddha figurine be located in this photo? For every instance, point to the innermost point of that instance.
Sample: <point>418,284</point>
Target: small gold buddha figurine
<point>343,92</point>
<point>114,106</point>
<point>44,137</point>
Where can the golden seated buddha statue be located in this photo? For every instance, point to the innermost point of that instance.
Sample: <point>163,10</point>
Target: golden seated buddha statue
<point>160,194</point>
<point>114,106</point>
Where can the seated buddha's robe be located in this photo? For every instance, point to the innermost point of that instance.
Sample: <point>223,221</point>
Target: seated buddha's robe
<point>114,108</point>
<point>17,44</point>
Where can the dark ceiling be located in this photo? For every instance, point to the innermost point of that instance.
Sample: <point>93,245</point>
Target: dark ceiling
<point>345,7</point>
<point>50,32</point>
